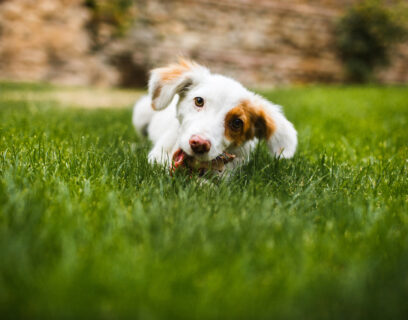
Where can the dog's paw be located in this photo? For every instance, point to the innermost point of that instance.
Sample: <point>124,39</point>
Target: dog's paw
<point>158,156</point>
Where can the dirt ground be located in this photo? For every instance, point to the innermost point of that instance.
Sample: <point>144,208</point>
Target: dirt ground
<point>79,97</point>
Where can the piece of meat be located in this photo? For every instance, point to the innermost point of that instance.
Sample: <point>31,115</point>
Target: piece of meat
<point>181,159</point>
<point>217,164</point>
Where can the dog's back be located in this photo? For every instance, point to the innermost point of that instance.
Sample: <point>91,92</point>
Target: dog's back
<point>142,114</point>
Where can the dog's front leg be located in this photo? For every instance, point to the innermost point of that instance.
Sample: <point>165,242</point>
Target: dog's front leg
<point>163,149</point>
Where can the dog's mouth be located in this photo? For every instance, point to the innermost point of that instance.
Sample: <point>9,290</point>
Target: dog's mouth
<point>182,159</point>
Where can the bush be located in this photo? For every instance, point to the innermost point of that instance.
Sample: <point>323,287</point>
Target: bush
<point>110,18</point>
<point>365,35</point>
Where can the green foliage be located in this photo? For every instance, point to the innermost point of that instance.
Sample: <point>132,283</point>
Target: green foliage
<point>117,15</point>
<point>89,230</point>
<point>365,35</point>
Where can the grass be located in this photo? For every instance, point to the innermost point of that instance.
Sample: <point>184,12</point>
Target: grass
<point>89,230</point>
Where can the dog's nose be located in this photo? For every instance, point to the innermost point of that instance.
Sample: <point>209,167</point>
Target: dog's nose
<point>199,144</point>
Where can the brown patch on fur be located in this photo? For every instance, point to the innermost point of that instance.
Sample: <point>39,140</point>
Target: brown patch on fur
<point>256,123</point>
<point>174,71</point>
<point>156,94</point>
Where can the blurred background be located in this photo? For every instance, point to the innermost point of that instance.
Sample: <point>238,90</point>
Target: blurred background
<point>259,42</point>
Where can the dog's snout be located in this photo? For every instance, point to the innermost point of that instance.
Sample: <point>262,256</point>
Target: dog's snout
<point>199,144</point>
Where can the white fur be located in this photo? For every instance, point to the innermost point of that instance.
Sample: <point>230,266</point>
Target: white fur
<point>179,118</point>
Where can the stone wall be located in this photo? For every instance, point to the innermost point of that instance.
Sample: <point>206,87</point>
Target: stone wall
<point>259,42</point>
<point>46,40</point>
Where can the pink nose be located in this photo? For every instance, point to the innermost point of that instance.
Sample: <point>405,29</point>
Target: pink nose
<point>199,145</point>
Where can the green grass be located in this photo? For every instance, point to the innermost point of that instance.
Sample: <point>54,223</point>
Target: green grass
<point>89,229</point>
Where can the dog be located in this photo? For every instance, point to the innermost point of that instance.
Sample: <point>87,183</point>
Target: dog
<point>207,122</point>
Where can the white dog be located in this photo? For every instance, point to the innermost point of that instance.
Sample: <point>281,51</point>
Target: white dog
<point>202,120</point>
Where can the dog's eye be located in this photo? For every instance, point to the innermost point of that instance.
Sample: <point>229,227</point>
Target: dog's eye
<point>236,124</point>
<point>199,102</point>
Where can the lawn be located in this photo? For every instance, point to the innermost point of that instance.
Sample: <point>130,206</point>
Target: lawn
<point>89,230</point>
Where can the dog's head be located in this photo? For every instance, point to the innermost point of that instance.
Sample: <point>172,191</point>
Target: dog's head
<point>217,114</point>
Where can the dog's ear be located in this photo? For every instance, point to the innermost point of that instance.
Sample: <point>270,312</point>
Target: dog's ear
<point>165,83</point>
<point>273,126</point>
<point>257,117</point>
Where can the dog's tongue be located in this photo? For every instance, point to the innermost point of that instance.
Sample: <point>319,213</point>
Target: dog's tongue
<point>178,158</point>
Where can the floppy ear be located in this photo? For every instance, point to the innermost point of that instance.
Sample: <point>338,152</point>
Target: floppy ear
<point>273,126</point>
<point>165,83</point>
<point>261,119</point>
